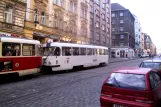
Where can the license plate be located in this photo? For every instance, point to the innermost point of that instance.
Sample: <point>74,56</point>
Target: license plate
<point>115,105</point>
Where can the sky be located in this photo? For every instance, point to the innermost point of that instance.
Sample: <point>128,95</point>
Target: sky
<point>149,15</point>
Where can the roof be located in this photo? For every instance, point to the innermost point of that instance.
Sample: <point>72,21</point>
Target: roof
<point>135,70</point>
<point>153,60</point>
<point>19,40</point>
<point>116,6</point>
<point>59,44</point>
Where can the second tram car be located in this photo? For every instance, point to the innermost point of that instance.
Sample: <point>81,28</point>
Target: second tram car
<point>19,56</point>
<point>65,56</point>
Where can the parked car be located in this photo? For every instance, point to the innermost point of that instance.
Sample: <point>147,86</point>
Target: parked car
<point>131,87</point>
<point>152,63</point>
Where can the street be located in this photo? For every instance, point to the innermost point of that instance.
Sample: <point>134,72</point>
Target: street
<point>71,89</point>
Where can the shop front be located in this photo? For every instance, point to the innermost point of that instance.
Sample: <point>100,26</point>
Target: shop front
<point>44,37</point>
<point>4,34</point>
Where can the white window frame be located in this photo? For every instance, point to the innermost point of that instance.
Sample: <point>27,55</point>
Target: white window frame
<point>8,15</point>
<point>121,21</point>
<point>113,15</point>
<point>121,14</point>
<point>103,27</point>
<point>62,3</point>
<point>56,2</point>
<point>43,20</point>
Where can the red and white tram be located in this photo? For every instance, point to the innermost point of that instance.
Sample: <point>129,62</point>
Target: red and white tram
<point>19,56</point>
<point>65,56</point>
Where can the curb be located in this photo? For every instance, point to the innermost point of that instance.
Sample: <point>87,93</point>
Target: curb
<point>123,60</point>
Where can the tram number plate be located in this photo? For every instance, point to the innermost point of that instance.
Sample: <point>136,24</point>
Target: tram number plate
<point>115,105</point>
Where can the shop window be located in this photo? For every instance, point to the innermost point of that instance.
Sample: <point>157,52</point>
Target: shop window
<point>28,50</point>
<point>82,51</point>
<point>89,51</point>
<point>11,49</point>
<point>76,51</point>
<point>117,53</point>
<point>66,51</point>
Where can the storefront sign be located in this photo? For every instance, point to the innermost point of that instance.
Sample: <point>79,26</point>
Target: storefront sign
<point>5,34</point>
<point>45,35</point>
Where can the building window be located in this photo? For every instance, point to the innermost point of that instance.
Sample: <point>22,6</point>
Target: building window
<point>97,24</point>
<point>121,36</point>
<point>121,29</point>
<point>103,16</point>
<point>121,44</point>
<point>97,1</point>
<point>113,21</point>
<point>42,21</point>
<point>62,3</point>
<point>36,19</point>
<point>113,29</point>
<point>97,12</point>
<point>73,7</point>
<point>113,14</point>
<point>91,21</point>
<point>91,9</point>
<point>107,29</point>
<point>103,5</point>
<point>121,14</point>
<point>56,2</point>
<point>97,36</point>
<point>103,27</point>
<point>84,12</point>
<point>121,21</point>
<point>8,14</point>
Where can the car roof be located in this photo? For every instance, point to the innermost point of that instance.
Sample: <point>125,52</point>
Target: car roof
<point>153,60</point>
<point>133,70</point>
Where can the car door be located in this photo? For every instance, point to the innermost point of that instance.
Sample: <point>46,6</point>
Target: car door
<point>155,85</point>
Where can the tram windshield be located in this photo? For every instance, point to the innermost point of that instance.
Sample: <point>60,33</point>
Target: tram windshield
<point>51,51</point>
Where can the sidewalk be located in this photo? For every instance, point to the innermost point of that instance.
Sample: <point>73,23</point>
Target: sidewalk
<point>113,60</point>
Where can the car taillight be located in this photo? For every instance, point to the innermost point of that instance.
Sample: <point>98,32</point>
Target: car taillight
<point>107,94</point>
<point>143,100</point>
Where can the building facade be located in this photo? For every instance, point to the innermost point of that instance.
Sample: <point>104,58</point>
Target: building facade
<point>60,20</point>
<point>123,36</point>
<point>12,15</point>
<point>100,22</point>
<point>138,32</point>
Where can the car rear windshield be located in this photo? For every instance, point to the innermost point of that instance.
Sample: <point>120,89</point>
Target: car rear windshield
<point>127,81</point>
<point>155,65</point>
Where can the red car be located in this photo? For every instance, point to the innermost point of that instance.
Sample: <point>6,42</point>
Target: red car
<point>131,87</point>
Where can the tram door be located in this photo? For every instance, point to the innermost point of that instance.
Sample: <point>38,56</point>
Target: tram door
<point>95,60</point>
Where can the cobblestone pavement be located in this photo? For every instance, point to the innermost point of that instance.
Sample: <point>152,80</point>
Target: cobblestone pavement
<point>72,89</point>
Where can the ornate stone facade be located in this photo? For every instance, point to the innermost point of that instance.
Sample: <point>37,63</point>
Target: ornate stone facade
<point>12,14</point>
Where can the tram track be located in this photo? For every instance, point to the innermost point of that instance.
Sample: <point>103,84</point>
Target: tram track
<point>75,79</point>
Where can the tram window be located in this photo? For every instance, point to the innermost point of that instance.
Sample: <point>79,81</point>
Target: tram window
<point>89,51</point>
<point>103,51</point>
<point>82,51</point>
<point>57,51</point>
<point>106,52</point>
<point>100,52</point>
<point>11,49</point>
<point>28,50</point>
<point>76,51</point>
<point>66,51</point>
<point>95,51</point>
